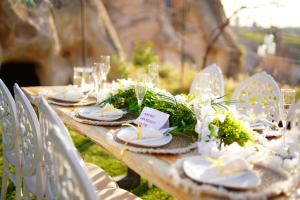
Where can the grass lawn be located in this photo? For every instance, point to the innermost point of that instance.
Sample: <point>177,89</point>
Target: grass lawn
<point>93,153</point>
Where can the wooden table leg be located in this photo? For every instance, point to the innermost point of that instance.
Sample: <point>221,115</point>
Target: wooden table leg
<point>130,181</point>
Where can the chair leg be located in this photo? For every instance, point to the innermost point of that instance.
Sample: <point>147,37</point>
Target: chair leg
<point>18,187</point>
<point>4,186</point>
<point>26,194</point>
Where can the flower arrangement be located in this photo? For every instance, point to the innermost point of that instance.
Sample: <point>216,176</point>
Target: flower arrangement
<point>181,115</point>
<point>215,123</point>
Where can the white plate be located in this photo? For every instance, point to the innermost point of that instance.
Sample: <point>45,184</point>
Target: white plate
<point>125,133</point>
<point>195,168</point>
<point>91,113</point>
<point>66,98</point>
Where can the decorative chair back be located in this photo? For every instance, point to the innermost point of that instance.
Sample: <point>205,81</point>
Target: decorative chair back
<point>8,118</point>
<point>293,117</point>
<point>66,176</point>
<point>259,96</point>
<point>216,82</point>
<point>31,141</point>
<point>10,141</point>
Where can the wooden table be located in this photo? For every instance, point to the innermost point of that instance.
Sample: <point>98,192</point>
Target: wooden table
<point>154,168</point>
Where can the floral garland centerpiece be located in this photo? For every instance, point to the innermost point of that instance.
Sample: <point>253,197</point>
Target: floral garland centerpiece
<point>213,122</point>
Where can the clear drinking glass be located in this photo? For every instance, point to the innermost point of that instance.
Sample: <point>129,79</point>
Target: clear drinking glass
<point>77,75</point>
<point>153,71</point>
<point>104,67</point>
<point>289,98</point>
<point>141,88</point>
<point>87,80</point>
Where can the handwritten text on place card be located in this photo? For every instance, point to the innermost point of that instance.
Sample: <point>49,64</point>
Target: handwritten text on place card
<point>153,118</point>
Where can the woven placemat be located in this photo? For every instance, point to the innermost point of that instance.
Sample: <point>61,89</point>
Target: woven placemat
<point>127,118</point>
<point>85,102</point>
<point>178,145</point>
<point>273,183</point>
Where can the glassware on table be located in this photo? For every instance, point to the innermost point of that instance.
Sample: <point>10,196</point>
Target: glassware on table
<point>98,80</point>
<point>141,88</point>
<point>289,98</point>
<point>87,79</point>
<point>104,68</point>
<point>77,75</point>
<point>153,71</point>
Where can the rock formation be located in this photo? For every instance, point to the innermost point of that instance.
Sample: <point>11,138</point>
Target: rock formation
<point>50,36</point>
<point>169,23</point>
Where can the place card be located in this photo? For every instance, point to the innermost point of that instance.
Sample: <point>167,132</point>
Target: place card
<point>153,118</point>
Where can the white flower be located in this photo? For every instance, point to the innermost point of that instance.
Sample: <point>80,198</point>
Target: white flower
<point>221,117</point>
<point>208,149</point>
<point>181,99</point>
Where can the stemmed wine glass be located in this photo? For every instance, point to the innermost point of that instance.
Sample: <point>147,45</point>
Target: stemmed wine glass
<point>141,89</point>
<point>289,98</point>
<point>153,72</point>
<point>104,67</point>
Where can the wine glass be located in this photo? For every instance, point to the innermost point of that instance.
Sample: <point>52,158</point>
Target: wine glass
<point>104,68</point>
<point>77,75</point>
<point>87,79</point>
<point>98,80</point>
<point>289,97</point>
<point>141,89</point>
<point>153,71</point>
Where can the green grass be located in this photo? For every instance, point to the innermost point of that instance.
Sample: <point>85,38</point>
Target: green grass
<point>93,153</point>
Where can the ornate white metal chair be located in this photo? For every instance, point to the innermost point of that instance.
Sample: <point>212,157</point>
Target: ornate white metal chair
<point>11,149</point>
<point>31,146</point>
<point>52,130</point>
<point>216,80</point>
<point>259,97</point>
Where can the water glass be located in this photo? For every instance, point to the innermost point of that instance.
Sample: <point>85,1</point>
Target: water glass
<point>104,67</point>
<point>141,88</point>
<point>77,75</point>
<point>153,71</point>
<point>289,97</point>
<point>87,80</point>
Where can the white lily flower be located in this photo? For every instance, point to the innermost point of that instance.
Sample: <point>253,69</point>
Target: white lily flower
<point>221,117</point>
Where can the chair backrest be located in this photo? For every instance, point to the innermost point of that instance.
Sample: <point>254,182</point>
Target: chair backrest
<point>48,118</point>
<point>293,116</point>
<point>65,173</point>
<point>8,118</point>
<point>216,83</point>
<point>30,136</point>
<point>259,96</point>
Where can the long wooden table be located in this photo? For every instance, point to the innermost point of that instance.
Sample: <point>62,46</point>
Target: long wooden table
<point>154,168</point>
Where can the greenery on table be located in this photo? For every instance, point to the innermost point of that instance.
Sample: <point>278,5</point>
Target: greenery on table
<point>232,130</point>
<point>181,115</point>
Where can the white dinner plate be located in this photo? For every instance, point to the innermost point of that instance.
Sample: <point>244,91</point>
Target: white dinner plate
<point>93,113</point>
<point>195,168</point>
<point>125,134</point>
<point>67,98</point>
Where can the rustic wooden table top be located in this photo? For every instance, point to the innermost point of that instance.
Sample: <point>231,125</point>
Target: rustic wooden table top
<point>154,168</point>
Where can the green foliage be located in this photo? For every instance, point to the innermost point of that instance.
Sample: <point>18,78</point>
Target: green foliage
<point>121,66</point>
<point>144,55</point>
<point>232,130</point>
<point>180,115</point>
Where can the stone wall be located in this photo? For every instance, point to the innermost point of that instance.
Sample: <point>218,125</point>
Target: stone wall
<point>162,23</point>
<point>50,36</point>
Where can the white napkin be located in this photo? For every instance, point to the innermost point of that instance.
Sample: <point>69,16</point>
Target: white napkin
<point>67,92</point>
<point>146,133</point>
<point>225,166</point>
<point>107,110</point>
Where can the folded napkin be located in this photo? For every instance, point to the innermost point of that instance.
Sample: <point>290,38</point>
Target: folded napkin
<point>145,133</point>
<point>107,110</point>
<point>225,166</point>
<point>67,92</point>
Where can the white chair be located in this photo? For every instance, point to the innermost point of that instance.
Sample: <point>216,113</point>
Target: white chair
<point>215,83</point>
<point>96,179</point>
<point>11,149</point>
<point>259,96</point>
<point>31,146</point>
